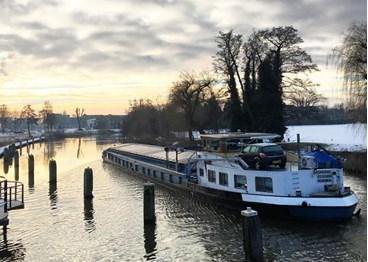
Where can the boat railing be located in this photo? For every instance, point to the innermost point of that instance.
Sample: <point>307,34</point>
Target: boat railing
<point>10,192</point>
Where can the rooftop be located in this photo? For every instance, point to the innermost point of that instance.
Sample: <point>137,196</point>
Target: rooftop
<point>240,135</point>
<point>157,152</point>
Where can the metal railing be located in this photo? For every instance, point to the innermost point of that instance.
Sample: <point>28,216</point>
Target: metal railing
<point>11,191</point>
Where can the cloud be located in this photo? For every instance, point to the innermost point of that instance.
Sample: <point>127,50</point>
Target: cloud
<point>162,37</point>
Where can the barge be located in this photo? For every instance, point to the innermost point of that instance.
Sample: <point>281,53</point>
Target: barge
<point>310,193</point>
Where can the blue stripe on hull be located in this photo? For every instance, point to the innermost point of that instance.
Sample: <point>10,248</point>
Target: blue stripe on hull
<point>322,213</point>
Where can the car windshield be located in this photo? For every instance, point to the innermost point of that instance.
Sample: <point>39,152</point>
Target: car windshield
<point>274,148</point>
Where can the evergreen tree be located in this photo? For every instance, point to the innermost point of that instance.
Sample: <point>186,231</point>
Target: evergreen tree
<point>268,99</point>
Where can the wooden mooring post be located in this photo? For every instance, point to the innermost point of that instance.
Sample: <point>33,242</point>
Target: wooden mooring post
<point>31,170</point>
<point>149,203</point>
<point>16,165</point>
<point>52,171</point>
<point>88,183</point>
<point>252,235</point>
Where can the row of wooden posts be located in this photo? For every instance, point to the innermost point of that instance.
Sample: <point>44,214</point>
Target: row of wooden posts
<point>252,234</point>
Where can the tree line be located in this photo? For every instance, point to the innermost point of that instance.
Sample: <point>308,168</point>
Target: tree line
<point>253,77</point>
<point>28,115</point>
<point>258,82</point>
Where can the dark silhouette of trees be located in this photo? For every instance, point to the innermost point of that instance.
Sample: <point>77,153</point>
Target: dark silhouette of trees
<point>143,120</point>
<point>226,63</point>
<point>30,116</point>
<point>4,117</point>
<point>188,93</point>
<point>79,113</point>
<point>267,101</point>
<point>47,116</point>
<point>351,59</point>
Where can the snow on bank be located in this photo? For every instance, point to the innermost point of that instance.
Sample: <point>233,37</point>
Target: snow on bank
<point>347,137</point>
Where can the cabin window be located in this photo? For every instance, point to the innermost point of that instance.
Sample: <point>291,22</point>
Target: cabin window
<point>240,182</point>
<point>136,168</point>
<point>143,170</point>
<point>211,176</point>
<point>131,165</point>
<point>154,173</point>
<point>170,178</point>
<point>162,176</point>
<point>123,162</point>
<point>223,177</point>
<point>264,184</point>
<point>201,172</point>
<point>149,171</point>
<point>180,179</point>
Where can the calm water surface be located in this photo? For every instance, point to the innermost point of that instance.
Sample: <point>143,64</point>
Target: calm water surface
<point>58,225</point>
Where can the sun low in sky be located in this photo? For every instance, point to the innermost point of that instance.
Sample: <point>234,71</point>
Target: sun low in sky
<point>99,55</point>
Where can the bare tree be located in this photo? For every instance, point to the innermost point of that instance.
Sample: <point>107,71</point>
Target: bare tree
<point>302,93</point>
<point>4,117</point>
<point>47,115</point>
<point>351,59</point>
<point>188,93</point>
<point>79,113</point>
<point>288,56</point>
<point>226,63</point>
<point>29,114</point>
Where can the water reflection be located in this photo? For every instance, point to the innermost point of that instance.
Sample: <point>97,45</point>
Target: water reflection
<point>53,195</point>
<point>49,150</point>
<point>12,251</point>
<point>31,180</point>
<point>150,240</point>
<point>89,221</point>
<point>79,150</point>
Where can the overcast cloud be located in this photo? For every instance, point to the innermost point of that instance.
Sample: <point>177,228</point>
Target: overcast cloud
<point>152,39</point>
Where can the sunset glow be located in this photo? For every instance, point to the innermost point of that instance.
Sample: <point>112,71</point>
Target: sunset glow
<point>100,55</point>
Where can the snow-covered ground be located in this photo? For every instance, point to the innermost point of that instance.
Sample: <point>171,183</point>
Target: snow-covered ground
<point>347,137</point>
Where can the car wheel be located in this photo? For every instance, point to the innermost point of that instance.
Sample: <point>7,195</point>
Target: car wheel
<point>257,164</point>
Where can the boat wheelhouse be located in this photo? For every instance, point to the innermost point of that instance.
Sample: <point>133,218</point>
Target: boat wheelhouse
<point>309,193</point>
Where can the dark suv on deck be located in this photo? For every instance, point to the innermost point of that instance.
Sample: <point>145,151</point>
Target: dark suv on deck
<point>262,155</point>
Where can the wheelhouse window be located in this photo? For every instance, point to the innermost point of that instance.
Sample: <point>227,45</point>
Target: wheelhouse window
<point>211,176</point>
<point>201,172</point>
<point>223,177</point>
<point>264,184</point>
<point>240,182</point>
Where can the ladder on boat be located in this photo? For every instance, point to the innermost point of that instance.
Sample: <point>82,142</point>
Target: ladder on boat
<point>295,182</point>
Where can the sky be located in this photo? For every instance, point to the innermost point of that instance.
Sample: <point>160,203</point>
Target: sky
<point>101,54</point>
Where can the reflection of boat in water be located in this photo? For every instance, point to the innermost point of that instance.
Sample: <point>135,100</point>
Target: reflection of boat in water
<point>308,193</point>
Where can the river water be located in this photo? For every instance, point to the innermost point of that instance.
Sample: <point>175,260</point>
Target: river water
<point>60,226</point>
